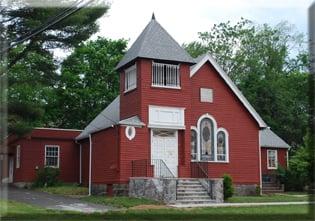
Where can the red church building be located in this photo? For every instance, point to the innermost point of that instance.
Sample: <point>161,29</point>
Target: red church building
<point>177,123</point>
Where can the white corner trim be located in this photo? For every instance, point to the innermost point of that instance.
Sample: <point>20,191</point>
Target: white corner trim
<point>230,83</point>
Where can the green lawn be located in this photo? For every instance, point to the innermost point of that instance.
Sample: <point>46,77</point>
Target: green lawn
<point>285,197</point>
<point>20,211</point>
<point>66,190</point>
<point>122,201</point>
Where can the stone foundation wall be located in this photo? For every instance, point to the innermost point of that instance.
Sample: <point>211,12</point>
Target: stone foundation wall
<point>161,189</point>
<point>27,185</point>
<point>99,189</point>
<point>246,190</point>
<point>120,189</point>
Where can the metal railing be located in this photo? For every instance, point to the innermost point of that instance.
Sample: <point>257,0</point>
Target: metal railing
<point>161,169</point>
<point>150,168</point>
<point>199,169</point>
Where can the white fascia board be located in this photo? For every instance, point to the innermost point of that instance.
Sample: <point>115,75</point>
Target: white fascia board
<point>230,83</point>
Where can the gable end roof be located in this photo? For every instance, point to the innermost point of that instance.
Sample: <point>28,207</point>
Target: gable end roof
<point>230,83</point>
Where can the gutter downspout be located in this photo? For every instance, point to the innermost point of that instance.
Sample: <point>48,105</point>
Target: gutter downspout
<point>90,166</point>
<point>80,175</point>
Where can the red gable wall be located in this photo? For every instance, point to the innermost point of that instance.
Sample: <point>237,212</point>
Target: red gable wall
<point>230,114</point>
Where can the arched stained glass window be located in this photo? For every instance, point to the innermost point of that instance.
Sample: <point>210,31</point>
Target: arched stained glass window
<point>221,146</point>
<point>206,140</point>
<point>193,145</point>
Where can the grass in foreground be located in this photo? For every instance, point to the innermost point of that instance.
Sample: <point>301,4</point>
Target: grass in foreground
<point>20,211</point>
<point>120,202</point>
<point>270,198</point>
<point>66,190</point>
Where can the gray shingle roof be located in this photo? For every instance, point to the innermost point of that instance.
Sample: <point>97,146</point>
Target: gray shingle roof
<point>155,43</point>
<point>108,117</point>
<point>269,139</point>
<point>132,121</point>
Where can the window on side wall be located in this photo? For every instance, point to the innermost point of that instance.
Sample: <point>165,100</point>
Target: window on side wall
<point>52,156</point>
<point>131,78</point>
<point>272,159</point>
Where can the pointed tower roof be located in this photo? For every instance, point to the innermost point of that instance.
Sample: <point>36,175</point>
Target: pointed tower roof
<point>155,43</point>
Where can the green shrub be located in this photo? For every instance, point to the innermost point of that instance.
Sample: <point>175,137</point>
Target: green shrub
<point>228,189</point>
<point>46,177</point>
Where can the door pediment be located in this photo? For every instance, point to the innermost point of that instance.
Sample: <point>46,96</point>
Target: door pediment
<point>166,117</point>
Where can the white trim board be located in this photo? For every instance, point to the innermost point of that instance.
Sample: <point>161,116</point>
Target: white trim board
<point>230,83</point>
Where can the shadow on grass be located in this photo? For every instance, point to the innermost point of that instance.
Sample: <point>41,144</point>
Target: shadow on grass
<point>160,216</point>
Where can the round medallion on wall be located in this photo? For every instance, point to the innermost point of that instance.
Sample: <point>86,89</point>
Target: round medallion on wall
<point>130,132</point>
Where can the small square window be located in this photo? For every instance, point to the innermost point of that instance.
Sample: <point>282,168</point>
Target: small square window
<point>206,95</point>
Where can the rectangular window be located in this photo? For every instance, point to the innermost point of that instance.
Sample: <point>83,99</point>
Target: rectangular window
<point>165,75</point>
<point>18,156</point>
<point>52,156</point>
<point>272,159</point>
<point>131,78</point>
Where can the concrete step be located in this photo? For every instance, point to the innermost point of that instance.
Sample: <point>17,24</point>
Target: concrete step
<point>189,186</point>
<point>194,201</point>
<point>188,181</point>
<point>201,193</point>
<point>272,191</point>
<point>193,197</point>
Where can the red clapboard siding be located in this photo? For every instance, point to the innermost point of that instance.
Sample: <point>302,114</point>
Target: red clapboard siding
<point>33,154</point>
<point>282,159</point>
<point>230,114</point>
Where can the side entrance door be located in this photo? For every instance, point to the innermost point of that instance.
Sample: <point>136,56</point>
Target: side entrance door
<point>164,149</point>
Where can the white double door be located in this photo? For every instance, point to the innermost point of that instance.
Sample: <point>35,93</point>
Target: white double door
<point>164,148</point>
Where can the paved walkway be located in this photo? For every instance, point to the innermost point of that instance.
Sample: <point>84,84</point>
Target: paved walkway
<point>56,202</point>
<point>240,204</point>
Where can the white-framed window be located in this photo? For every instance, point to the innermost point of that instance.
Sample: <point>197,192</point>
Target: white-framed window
<point>165,75</point>
<point>222,145</point>
<point>52,156</point>
<point>272,159</point>
<point>18,157</point>
<point>194,144</point>
<point>131,78</point>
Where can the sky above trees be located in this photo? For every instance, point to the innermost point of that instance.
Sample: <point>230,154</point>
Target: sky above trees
<point>183,19</point>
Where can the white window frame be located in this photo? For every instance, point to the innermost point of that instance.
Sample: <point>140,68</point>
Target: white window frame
<point>221,129</point>
<point>276,159</point>
<point>131,74</point>
<point>58,157</point>
<point>155,66</point>
<point>208,116</point>
<point>215,131</point>
<point>18,157</point>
